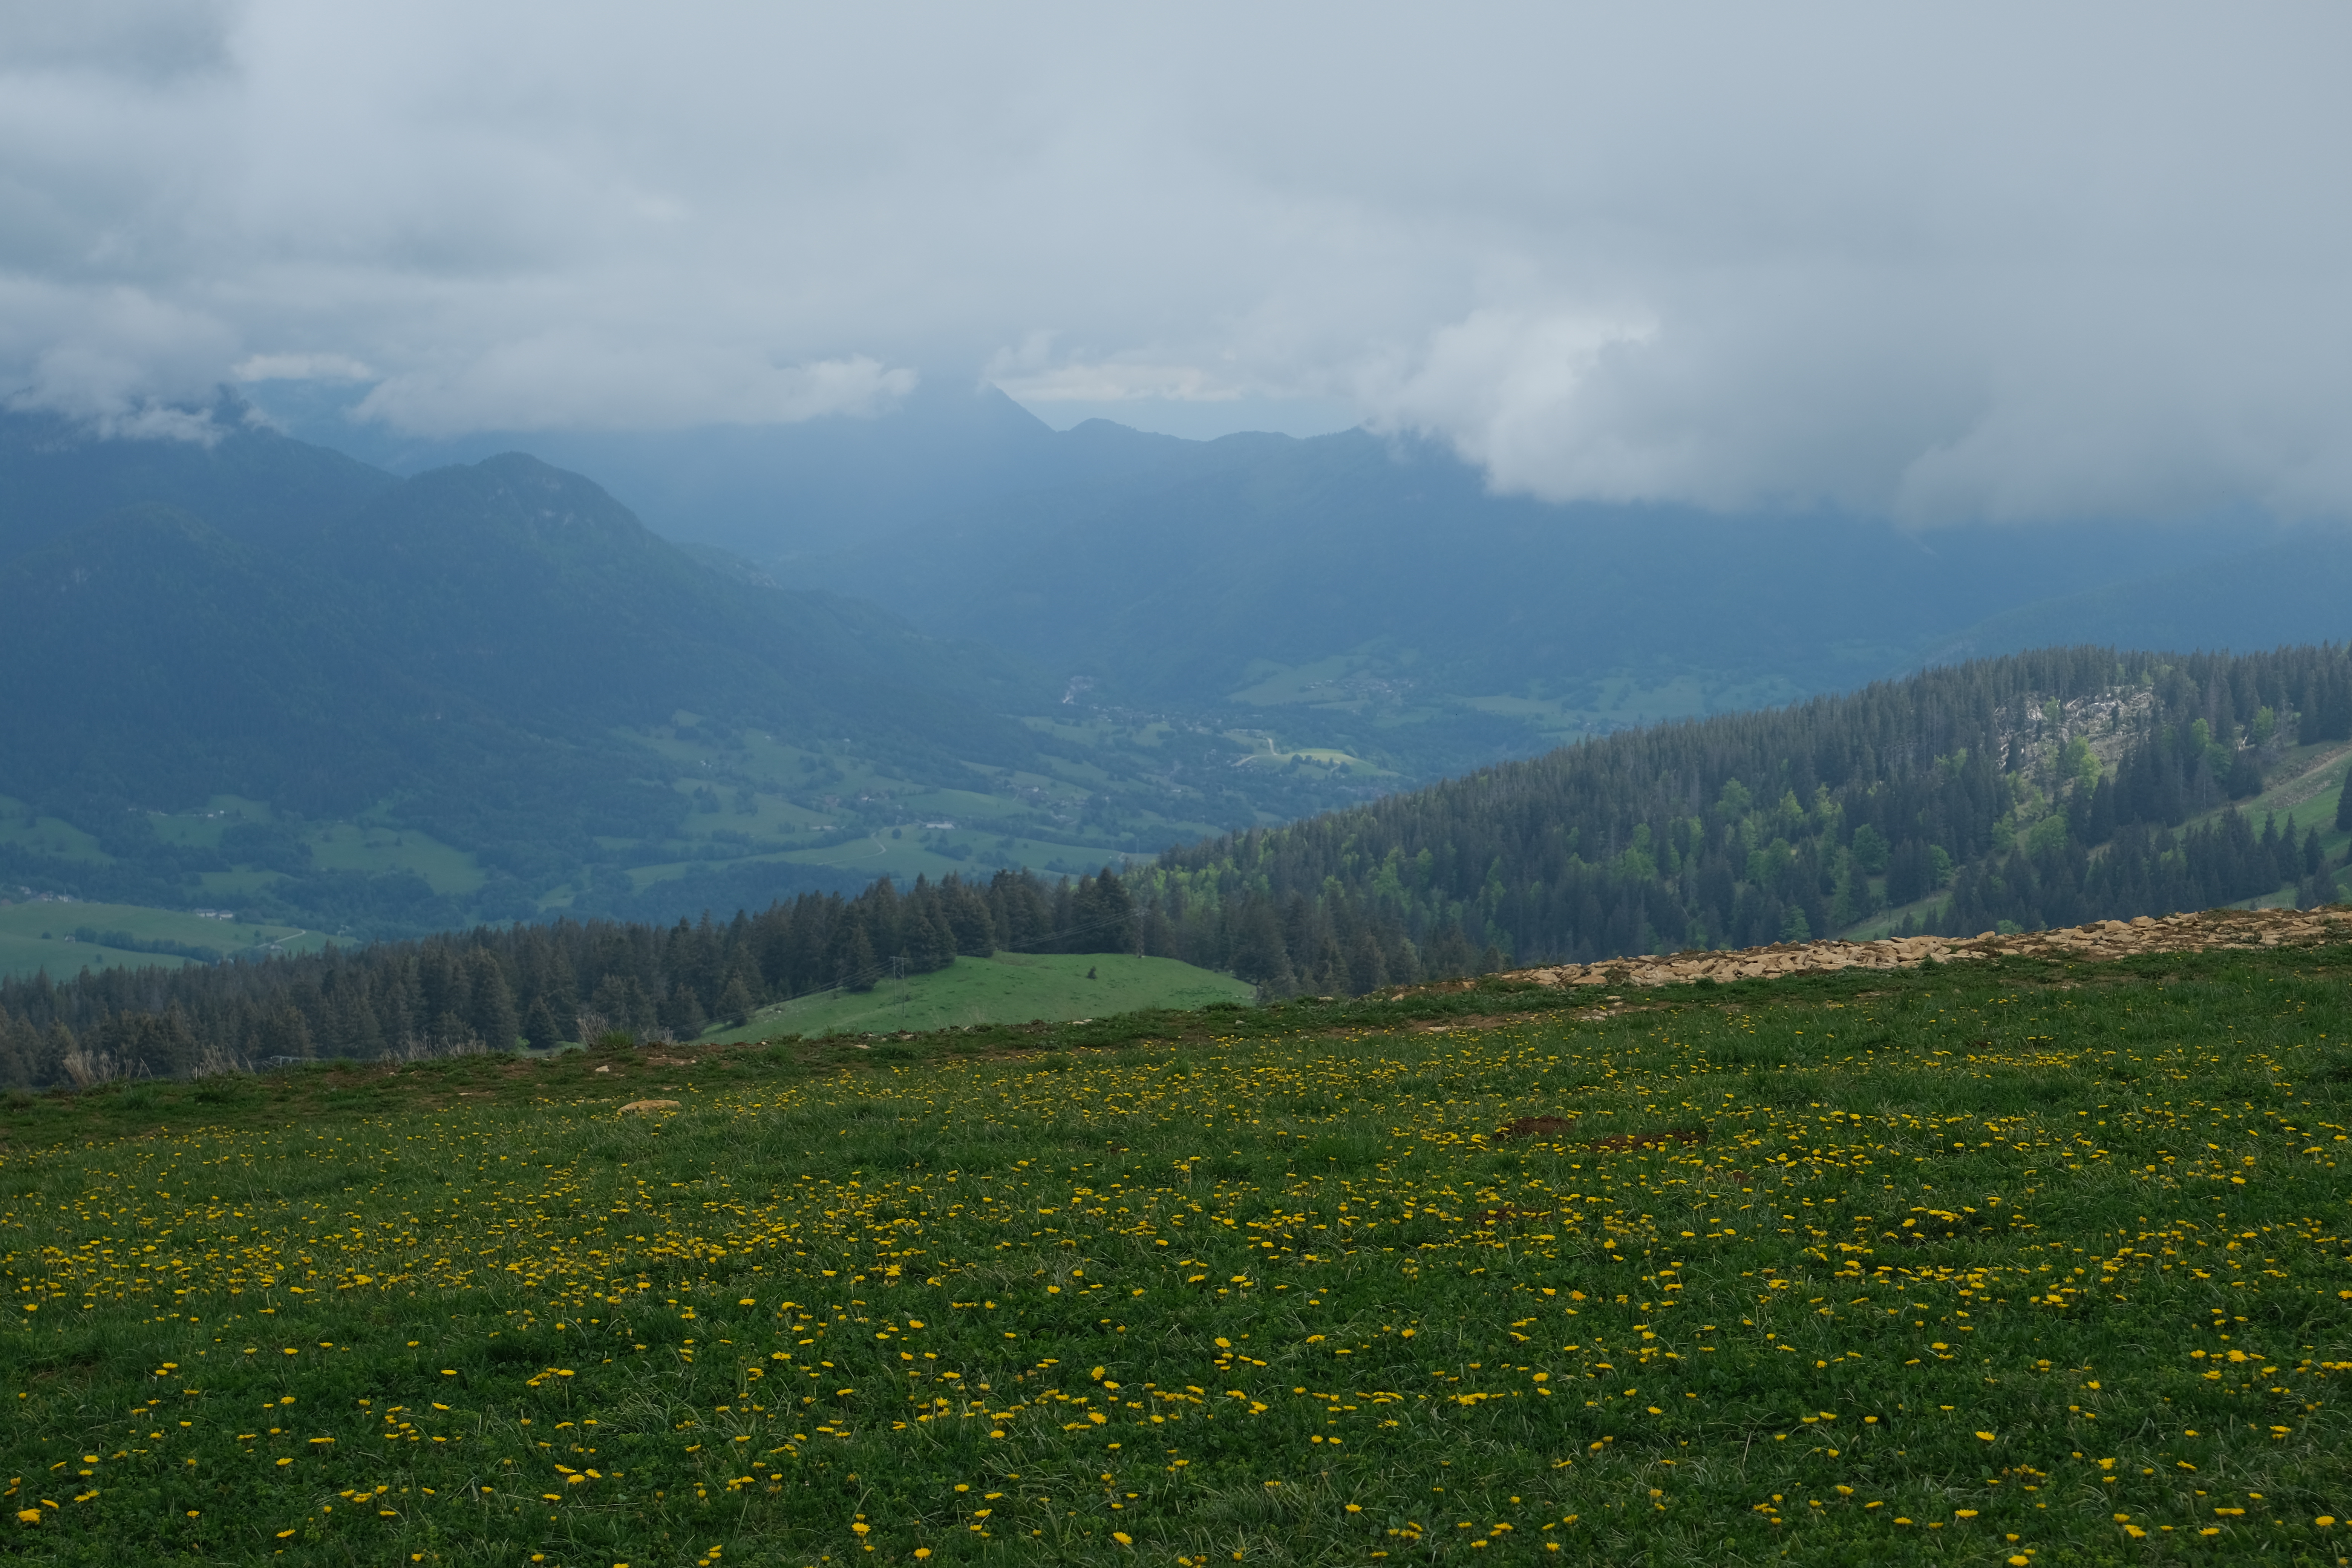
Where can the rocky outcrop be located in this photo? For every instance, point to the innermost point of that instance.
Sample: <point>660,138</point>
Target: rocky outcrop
<point>2098,940</point>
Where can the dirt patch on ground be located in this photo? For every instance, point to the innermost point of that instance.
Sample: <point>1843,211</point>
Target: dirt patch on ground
<point>1558,1128</point>
<point>2101,940</point>
<point>1540,1127</point>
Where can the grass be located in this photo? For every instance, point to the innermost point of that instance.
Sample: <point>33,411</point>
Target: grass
<point>28,955</point>
<point>373,849</point>
<point>39,936</point>
<point>1999,1263</point>
<point>1010,988</point>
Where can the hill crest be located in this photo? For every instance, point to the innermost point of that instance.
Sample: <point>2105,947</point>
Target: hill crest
<point>2098,942</point>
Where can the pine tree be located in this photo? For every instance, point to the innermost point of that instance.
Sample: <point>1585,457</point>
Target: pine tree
<point>853,965</point>
<point>280,1034</point>
<point>1103,914</point>
<point>1258,954</point>
<point>540,1031</point>
<point>682,1013</point>
<point>490,1012</point>
<point>735,1003</point>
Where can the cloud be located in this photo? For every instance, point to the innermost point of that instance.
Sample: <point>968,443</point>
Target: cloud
<point>147,40</point>
<point>1120,380</point>
<point>302,367</point>
<point>561,381</point>
<point>2016,263</point>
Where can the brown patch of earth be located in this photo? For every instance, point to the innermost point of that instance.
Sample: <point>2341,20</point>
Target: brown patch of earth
<point>2098,942</point>
<point>1538,1126</point>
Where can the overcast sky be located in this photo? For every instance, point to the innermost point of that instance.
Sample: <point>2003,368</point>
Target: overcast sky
<point>2029,262</point>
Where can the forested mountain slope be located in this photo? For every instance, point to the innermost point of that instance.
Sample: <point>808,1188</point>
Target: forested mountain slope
<point>240,476</point>
<point>268,638</point>
<point>1977,793</point>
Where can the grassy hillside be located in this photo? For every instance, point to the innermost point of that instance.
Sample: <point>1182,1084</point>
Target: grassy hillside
<point>2005,1261</point>
<point>1008,988</point>
<point>2304,784</point>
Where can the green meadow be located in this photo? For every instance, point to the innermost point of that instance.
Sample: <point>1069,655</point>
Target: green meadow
<point>1008,988</point>
<point>38,936</point>
<point>2012,1262</point>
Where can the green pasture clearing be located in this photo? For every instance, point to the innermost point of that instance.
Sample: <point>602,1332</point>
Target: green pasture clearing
<point>1008,988</point>
<point>867,854</point>
<point>1264,751</point>
<point>39,935</point>
<point>203,826</point>
<point>2302,792</point>
<point>2013,1260</point>
<point>374,850</point>
<point>22,828</point>
<point>23,955</point>
<point>1340,680</point>
<point>1613,701</point>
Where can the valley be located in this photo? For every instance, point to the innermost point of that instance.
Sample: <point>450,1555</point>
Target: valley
<point>60,939</point>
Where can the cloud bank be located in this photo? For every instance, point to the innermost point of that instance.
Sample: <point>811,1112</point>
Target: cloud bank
<point>2005,263</point>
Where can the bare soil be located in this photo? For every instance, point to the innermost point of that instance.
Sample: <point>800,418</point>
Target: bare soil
<point>2098,942</point>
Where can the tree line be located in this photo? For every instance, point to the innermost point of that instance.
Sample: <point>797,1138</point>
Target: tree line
<point>538,984</point>
<point>1966,798</point>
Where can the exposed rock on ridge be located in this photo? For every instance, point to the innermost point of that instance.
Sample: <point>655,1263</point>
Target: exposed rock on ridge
<point>2099,939</point>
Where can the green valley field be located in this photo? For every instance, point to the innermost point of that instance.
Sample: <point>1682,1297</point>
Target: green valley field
<point>66,938</point>
<point>1008,988</point>
<point>2013,1262</point>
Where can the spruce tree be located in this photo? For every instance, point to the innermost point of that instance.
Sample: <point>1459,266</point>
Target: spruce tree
<point>491,1013</point>
<point>540,1028</point>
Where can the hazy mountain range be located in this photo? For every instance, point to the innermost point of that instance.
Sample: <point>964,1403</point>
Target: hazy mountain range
<point>1256,568</point>
<point>458,682</point>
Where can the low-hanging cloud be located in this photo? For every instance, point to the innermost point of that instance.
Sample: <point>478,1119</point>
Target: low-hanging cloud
<point>2009,263</point>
